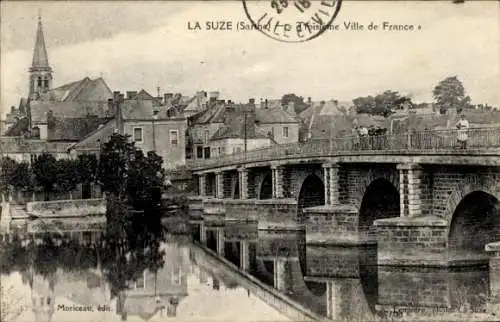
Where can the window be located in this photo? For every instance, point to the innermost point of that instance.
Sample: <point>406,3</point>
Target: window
<point>199,152</point>
<point>48,300</point>
<point>238,149</point>
<point>207,135</point>
<point>137,134</point>
<point>219,150</point>
<point>35,132</point>
<point>207,152</point>
<point>174,137</point>
<point>285,132</point>
<point>141,281</point>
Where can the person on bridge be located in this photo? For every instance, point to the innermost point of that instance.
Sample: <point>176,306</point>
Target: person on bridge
<point>363,135</point>
<point>355,137</point>
<point>462,126</point>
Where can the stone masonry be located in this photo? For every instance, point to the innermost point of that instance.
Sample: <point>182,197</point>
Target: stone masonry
<point>428,197</point>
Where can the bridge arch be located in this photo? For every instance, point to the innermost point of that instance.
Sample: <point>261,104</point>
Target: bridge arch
<point>311,194</point>
<point>380,200</point>
<point>474,223</point>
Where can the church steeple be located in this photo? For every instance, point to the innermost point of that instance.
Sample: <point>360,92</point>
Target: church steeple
<point>40,71</point>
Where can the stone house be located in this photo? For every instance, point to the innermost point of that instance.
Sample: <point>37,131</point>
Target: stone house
<point>146,121</point>
<point>224,128</point>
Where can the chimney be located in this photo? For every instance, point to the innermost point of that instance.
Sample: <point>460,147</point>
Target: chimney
<point>214,94</point>
<point>309,100</point>
<point>12,109</point>
<point>266,104</point>
<point>251,101</point>
<point>131,94</point>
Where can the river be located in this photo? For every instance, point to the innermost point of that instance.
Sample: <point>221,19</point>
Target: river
<point>234,273</point>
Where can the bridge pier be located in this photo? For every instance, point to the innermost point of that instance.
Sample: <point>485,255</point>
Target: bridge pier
<point>277,181</point>
<point>202,185</point>
<point>219,185</point>
<point>333,225</point>
<point>343,270</point>
<point>410,189</point>
<point>412,241</point>
<point>243,182</point>
<point>220,241</point>
<point>331,182</point>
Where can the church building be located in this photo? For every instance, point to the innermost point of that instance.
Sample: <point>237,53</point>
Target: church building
<point>62,114</point>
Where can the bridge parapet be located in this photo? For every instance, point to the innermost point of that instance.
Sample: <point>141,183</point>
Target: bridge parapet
<point>423,142</point>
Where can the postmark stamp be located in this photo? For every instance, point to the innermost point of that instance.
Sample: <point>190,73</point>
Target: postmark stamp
<point>292,20</point>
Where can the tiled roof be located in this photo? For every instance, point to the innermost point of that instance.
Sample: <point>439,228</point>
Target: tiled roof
<point>235,127</point>
<point>93,140</point>
<point>142,109</point>
<point>72,129</point>
<point>39,109</point>
<point>275,115</point>
<point>213,114</point>
<point>330,107</point>
<point>82,90</point>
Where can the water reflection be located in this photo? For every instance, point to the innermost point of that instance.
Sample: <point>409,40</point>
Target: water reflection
<point>345,283</point>
<point>156,276</point>
<point>93,275</point>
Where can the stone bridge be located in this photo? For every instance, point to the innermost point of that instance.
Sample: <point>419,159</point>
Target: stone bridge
<point>417,196</point>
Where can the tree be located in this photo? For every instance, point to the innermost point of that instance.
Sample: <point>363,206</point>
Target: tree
<point>22,177</point>
<point>132,182</point>
<point>67,175</point>
<point>45,171</point>
<point>298,101</point>
<point>450,93</point>
<point>86,168</point>
<point>382,104</point>
<point>8,167</point>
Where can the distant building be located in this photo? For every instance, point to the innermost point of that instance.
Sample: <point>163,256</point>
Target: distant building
<point>328,119</point>
<point>227,128</point>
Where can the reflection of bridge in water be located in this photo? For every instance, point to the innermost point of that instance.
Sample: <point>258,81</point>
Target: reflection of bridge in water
<point>344,283</point>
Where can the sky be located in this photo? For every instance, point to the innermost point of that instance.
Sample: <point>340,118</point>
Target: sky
<point>144,45</point>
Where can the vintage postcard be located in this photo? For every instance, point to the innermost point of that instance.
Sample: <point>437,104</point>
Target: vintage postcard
<point>243,160</point>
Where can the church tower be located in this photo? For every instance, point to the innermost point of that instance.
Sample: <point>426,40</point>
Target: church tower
<point>40,71</point>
